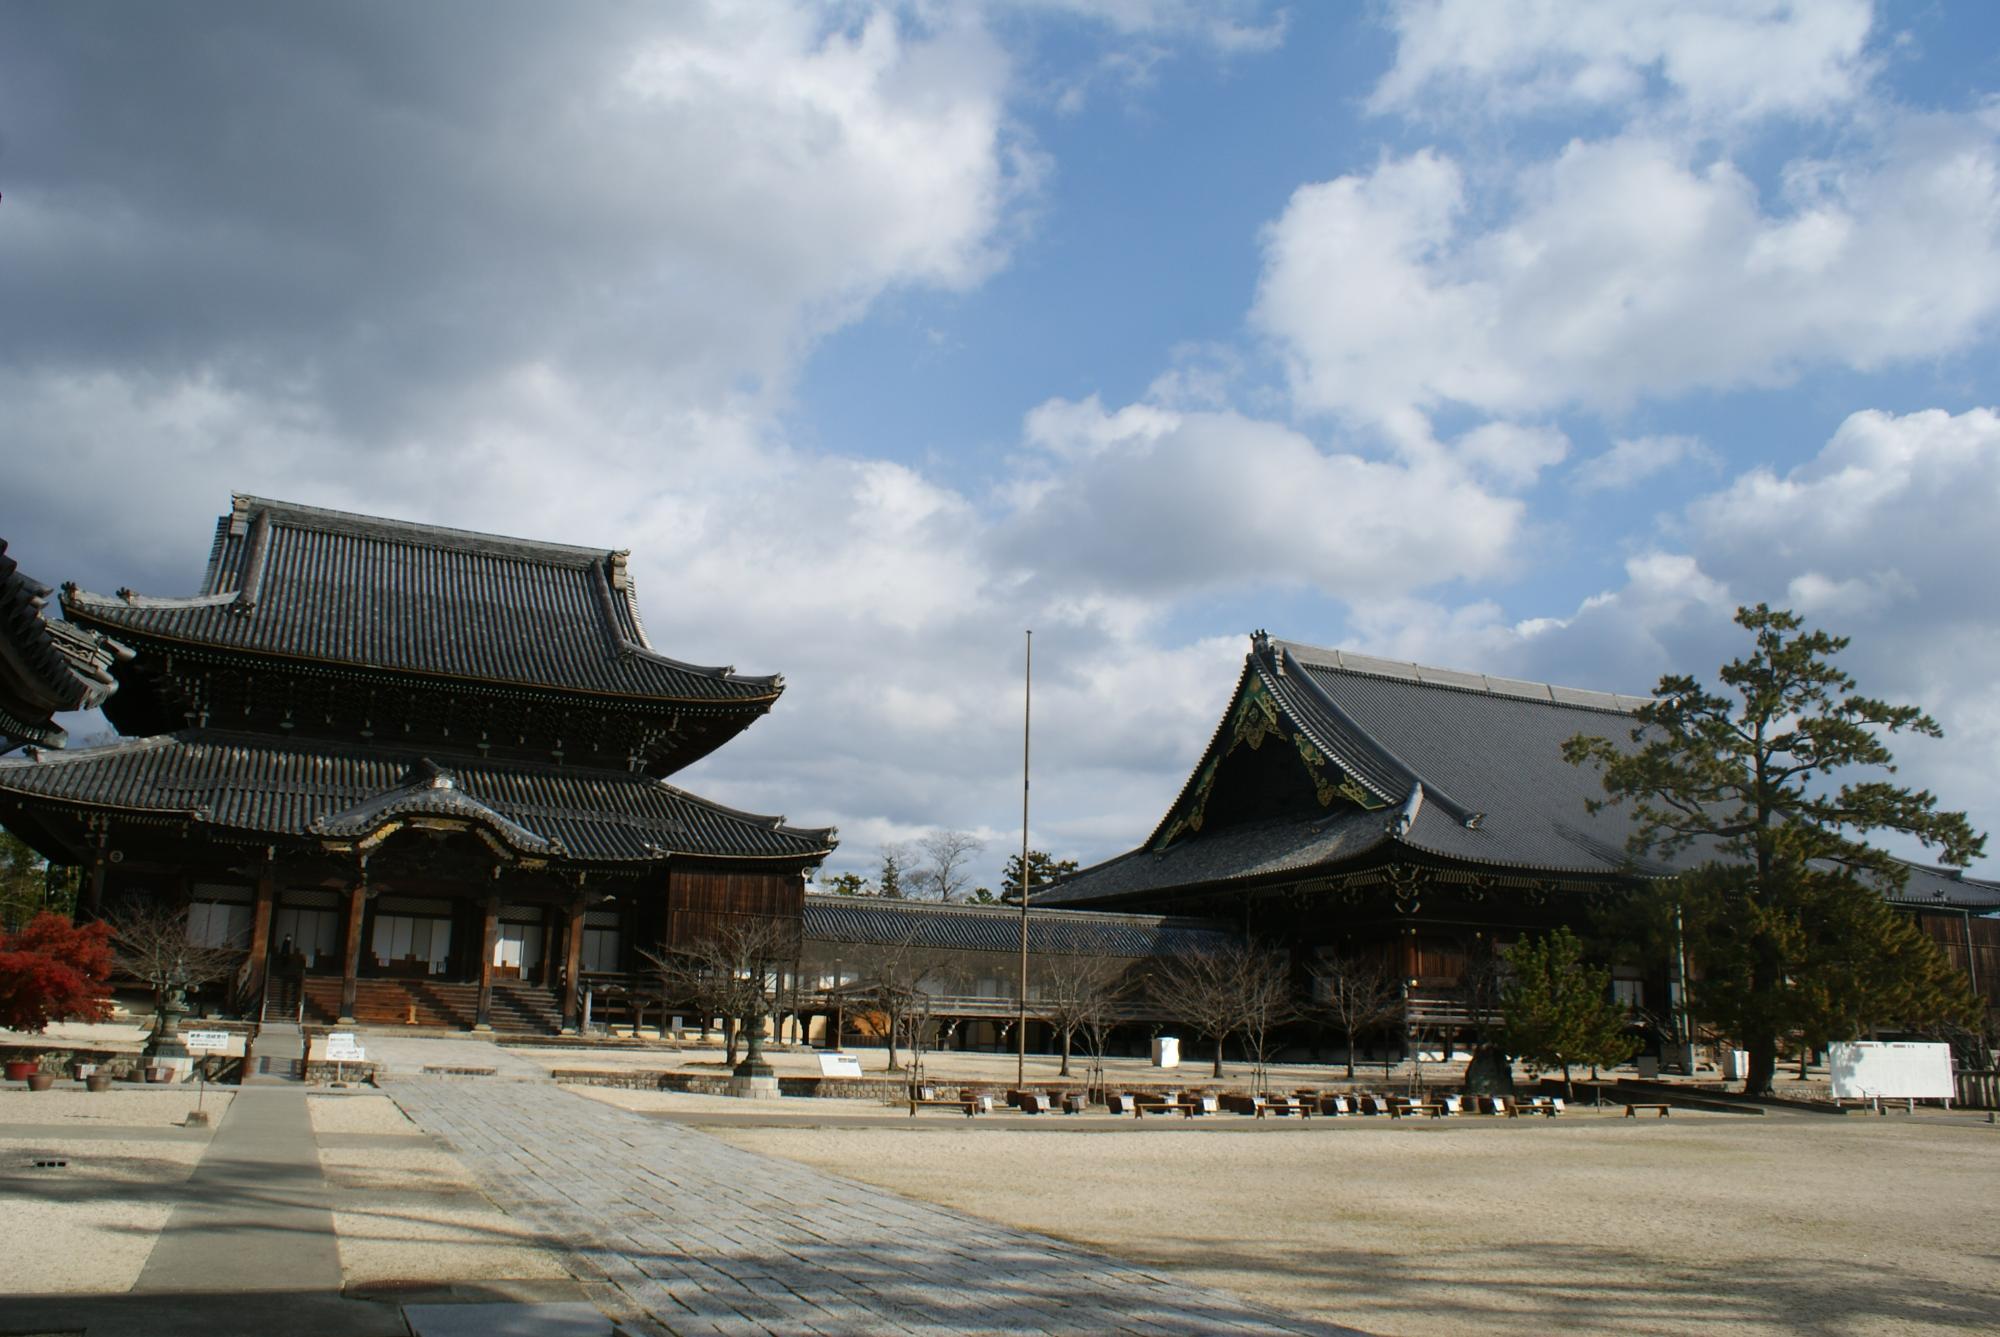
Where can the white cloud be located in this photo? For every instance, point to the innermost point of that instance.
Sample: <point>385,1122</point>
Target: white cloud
<point>1165,503</point>
<point>1719,60</point>
<point>1632,460</point>
<point>1512,454</point>
<point>1626,269</point>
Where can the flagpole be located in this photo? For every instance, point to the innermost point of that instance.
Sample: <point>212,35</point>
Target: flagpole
<point>1021,1021</point>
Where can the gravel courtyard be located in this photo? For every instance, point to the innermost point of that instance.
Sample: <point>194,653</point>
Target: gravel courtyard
<point>1770,1225</point>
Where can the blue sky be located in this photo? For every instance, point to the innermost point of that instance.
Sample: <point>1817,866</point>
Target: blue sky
<point>1524,337</point>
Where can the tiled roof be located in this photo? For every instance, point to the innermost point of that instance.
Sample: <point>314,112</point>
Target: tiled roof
<point>1487,753</point>
<point>1460,765</point>
<point>311,584</point>
<point>256,784</point>
<point>1245,853</point>
<point>985,928</point>
<point>45,667</point>
<point>1929,887</point>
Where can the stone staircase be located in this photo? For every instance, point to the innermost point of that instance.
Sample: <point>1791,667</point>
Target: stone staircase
<point>435,1005</point>
<point>279,1056</point>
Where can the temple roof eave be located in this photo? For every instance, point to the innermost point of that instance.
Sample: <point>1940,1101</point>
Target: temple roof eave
<point>264,788</point>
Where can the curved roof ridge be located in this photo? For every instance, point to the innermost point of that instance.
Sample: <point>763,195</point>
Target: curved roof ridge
<point>297,515</point>
<point>1418,790</point>
<point>429,790</point>
<point>1463,680</point>
<point>614,595</point>
<point>774,822</point>
<point>75,595</point>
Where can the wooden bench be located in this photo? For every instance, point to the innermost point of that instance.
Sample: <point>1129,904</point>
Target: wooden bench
<point>966,1104</point>
<point>1632,1111</point>
<point>1141,1108</point>
<point>1402,1109</point>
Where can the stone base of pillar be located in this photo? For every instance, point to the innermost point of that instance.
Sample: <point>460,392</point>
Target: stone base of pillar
<point>482,1028</point>
<point>754,1086</point>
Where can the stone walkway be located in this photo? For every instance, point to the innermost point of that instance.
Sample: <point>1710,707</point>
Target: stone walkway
<point>676,1231</point>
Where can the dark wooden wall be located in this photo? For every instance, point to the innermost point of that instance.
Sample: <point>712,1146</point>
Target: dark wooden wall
<point>700,901</point>
<point>1950,932</point>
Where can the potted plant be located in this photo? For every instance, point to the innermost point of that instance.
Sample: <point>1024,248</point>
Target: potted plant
<point>41,1081</point>
<point>20,1069</point>
<point>97,1081</point>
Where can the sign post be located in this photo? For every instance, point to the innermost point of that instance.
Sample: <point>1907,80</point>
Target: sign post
<point>201,1044</point>
<point>341,1049</point>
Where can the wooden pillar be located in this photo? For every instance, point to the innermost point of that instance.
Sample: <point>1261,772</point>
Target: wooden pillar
<point>572,965</point>
<point>260,940</point>
<point>350,968</point>
<point>489,938</point>
<point>93,887</point>
<point>545,969</point>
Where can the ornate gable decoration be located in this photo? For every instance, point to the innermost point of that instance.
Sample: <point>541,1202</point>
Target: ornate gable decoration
<point>1256,717</point>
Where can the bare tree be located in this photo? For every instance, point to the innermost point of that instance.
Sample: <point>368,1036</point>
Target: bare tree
<point>152,943</point>
<point>1223,990</point>
<point>946,865</point>
<point>736,972</point>
<point>1354,993</point>
<point>1079,995</point>
<point>895,985</point>
<point>1266,1002</point>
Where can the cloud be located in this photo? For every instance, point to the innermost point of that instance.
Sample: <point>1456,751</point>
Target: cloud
<point>370,214</point>
<point>1162,503</point>
<point>1625,269</point>
<point>1632,460</point>
<point>1715,60</point>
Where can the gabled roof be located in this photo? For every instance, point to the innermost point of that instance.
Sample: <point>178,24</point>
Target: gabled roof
<point>1462,766</point>
<point>881,921</point>
<point>275,787</point>
<point>308,584</point>
<point>46,667</point>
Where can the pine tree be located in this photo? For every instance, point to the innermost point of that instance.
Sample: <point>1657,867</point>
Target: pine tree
<point>1785,919</point>
<point>1558,1011</point>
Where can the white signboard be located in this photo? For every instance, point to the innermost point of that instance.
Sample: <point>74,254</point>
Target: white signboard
<point>1892,1070</point>
<point>341,1047</point>
<point>206,1042</point>
<point>1166,1051</point>
<point>839,1065</point>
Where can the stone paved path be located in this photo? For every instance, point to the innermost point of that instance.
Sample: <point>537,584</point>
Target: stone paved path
<point>699,1236</point>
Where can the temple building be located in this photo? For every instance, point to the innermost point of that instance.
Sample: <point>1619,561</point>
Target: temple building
<point>419,773</point>
<point>1422,818</point>
<point>46,668</point>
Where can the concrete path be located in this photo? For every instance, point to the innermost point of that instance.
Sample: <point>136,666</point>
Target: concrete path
<point>684,1233</point>
<point>257,1217</point>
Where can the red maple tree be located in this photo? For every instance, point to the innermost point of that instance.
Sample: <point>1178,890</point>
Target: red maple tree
<point>53,970</point>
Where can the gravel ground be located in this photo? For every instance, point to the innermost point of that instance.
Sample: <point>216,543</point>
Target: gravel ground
<point>90,1225</point>
<point>1775,1225</point>
<point>411,1213</point>
<point>124,1104</point>
<point>358,1114</point>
